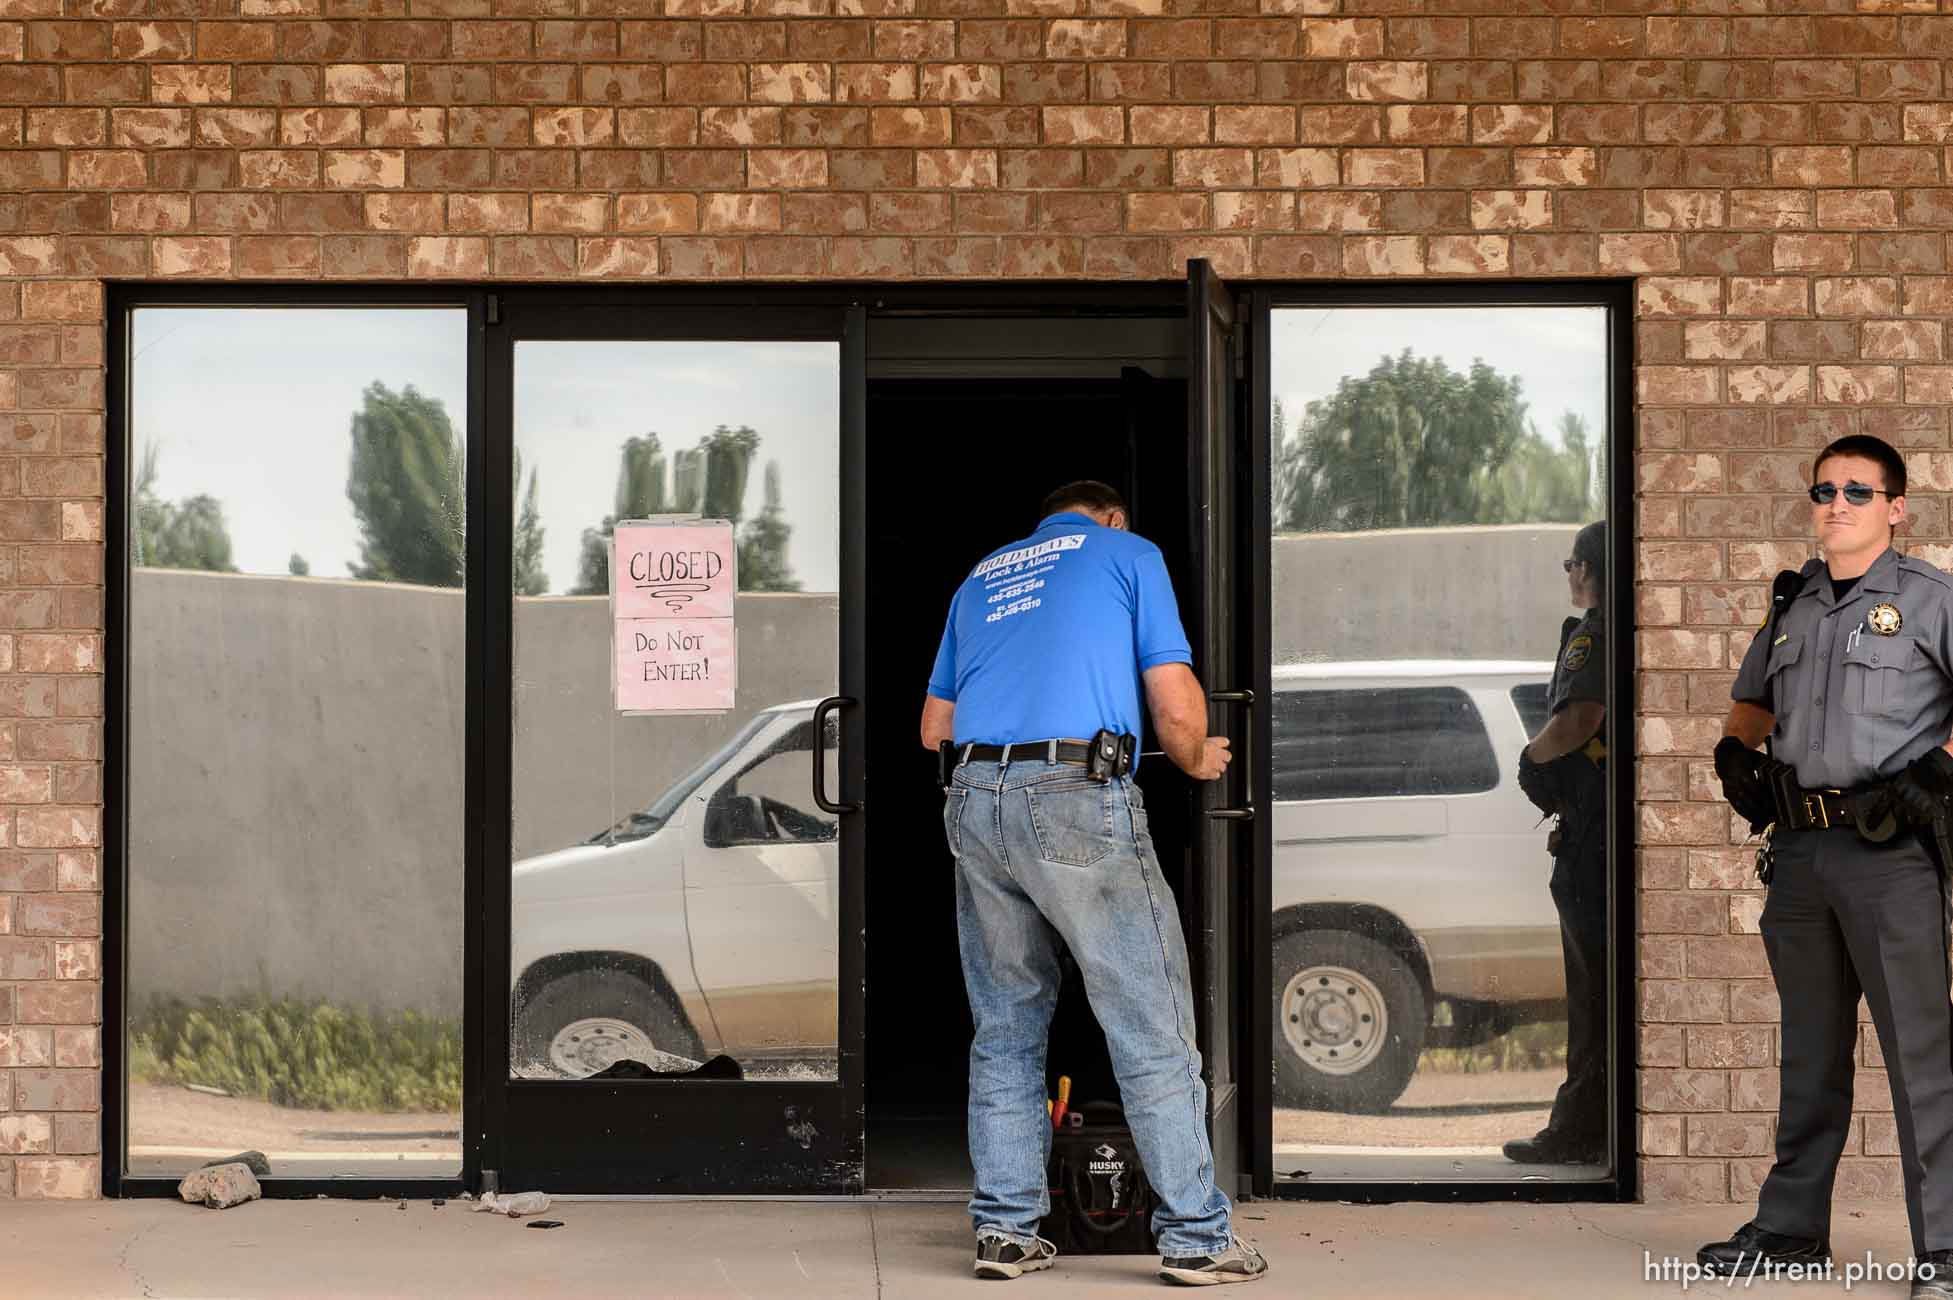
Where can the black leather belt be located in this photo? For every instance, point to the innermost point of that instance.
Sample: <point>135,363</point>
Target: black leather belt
<point>1051,751</point>
<point>1820,810</point>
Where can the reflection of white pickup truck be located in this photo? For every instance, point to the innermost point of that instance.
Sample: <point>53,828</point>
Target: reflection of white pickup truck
<point>1410,893</point>
<point>1410,872</point>
<point>705,924</point>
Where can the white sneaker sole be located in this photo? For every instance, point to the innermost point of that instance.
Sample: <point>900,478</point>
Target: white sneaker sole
<point>996,1270</point>
<point>1202,1277</point>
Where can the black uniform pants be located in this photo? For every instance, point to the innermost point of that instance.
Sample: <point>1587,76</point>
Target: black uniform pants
<point>1579,888</point>
<point>1844,917</point>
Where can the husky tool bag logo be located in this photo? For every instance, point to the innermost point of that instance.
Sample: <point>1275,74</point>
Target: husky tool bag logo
<point>1101,1203</point>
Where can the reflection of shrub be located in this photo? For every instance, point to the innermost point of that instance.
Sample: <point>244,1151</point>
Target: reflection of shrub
<point>308,1054</point>
<point>1539,1046</point>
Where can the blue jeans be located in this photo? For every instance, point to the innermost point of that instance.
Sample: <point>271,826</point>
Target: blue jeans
<point>1045,856</point>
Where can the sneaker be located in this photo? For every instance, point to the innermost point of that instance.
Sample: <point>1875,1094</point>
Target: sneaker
<point>999,1257</point>
<point>1240,1262</point>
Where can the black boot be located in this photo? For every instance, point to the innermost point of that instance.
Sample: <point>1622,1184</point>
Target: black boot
<point>1549,1148</point>
<point>1752,1251</point>
<point>1932,1278</point>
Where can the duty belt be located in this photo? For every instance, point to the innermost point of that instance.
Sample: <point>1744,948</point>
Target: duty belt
<point>1821,810</point>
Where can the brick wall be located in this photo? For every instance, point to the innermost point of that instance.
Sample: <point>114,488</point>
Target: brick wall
<point>1778,180</point>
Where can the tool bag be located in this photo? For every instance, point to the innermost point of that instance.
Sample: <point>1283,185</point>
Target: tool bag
<point>1101,1202</point>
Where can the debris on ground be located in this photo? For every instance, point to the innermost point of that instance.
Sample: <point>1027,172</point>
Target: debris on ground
<point>256,1161</point>
<point>220,1186</point>
<point>514,1205</point>
<point>544,1223</point>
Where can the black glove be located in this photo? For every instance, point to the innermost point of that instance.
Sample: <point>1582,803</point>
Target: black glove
<point>1536,780</point>
<point>1739,767</point>
<point>1925,788</point>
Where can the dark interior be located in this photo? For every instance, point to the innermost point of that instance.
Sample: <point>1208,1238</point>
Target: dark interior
<point>956,468</point>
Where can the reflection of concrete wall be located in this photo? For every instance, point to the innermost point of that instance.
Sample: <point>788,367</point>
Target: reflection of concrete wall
<point>1421,593</point>
<point>295,744</point>
<point>295,762</point>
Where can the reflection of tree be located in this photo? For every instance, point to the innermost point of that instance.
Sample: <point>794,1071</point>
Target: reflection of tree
<point>640,494</point>
<point>708,480</point>
<point>187,534</point>
<point>525,552</point>
<point>1415,444</point>
<point>763,564</point>
<point>1542,482</point>
<point>406,487</point>
<point>407,484</point>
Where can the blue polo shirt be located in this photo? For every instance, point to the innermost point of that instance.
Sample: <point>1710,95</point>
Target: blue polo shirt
<point>1048,636</point>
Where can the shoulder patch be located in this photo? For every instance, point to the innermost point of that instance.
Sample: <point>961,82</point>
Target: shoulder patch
<point>1577,652</point>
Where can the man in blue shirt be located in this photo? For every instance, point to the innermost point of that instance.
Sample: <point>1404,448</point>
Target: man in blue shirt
<point>1050,641</point>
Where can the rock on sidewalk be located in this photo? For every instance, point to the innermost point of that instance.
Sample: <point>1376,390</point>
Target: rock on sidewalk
<point>220,1186</point>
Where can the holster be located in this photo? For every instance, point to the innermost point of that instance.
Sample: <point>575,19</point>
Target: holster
<point>945,762</point>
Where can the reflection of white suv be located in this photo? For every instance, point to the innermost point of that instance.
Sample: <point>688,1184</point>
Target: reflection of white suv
<point>706,923</point>
<point>1410,873</point>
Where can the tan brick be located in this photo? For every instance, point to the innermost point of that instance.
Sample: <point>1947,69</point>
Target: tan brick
<point>365,168</point>
<point>1383,167</point>
<point>1297,168</point>
<point>1388,79</point>
<point>366,83</point>
<point>1554,166</point>
<point>1468,255</point>
<point>1858,384</point>
<point>1857,296</point>
<point>1511,209</point>
<point>319,126</point>
<point>1342,38</point>
<point>657,213</point>
<point>1773,295</point>
<point>190,83</point>
<point>1494,124</point>
<point>618,257</point>
<point>791,82</point>
<point>446,256</point>
<point>1383,255</point>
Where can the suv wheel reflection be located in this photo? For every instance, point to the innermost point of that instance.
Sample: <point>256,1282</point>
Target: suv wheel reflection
<point>588,1047</point>
<point>588,1020</point>
<point>1352,1016</point>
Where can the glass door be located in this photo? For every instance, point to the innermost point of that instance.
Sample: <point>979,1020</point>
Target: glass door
<point>680,930</point>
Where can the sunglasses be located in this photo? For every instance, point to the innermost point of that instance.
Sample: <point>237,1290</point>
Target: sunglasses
<point>1856,493</point>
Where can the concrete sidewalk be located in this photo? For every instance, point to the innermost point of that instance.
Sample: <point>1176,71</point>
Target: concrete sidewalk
<point>294,1250</point>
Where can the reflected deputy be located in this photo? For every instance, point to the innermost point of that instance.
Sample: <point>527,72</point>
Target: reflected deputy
<point>1564,772</point>
<point>1850,680</point>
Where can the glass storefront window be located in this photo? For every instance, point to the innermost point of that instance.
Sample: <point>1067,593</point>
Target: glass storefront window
<point>296,663</point>
<point>675,885</point>
<point>1440,949</point>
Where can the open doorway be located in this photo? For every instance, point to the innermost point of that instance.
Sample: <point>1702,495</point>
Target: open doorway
<point>970,423</point>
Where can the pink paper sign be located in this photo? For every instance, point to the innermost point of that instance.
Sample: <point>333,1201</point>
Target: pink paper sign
<point>683,570</point>
<point>667,665</point>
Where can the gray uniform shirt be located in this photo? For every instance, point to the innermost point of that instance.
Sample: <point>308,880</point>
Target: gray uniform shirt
<point>1857,692</point>
<point>1580,673</point>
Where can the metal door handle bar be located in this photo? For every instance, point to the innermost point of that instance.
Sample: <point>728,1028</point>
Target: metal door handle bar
<point>821,711</point>
<point>1246,811</point>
